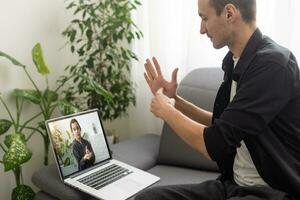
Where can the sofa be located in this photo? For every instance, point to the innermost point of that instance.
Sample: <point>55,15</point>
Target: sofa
<point>166,156</point>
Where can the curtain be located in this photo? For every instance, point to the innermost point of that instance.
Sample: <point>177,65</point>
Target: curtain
<point>172,34</point>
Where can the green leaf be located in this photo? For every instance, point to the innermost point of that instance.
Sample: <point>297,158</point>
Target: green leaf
<point>96,87</point>
<point>17,154</point>
<point>38,59</point>
<point>13,60</point>
<point>50,95</point>
<point>22,192</point>
<point>9,138</point>
<point>67,108</point>
<point>137,2</point>
<point>4,125</point>
<point>30,95</point>
<point>89,34</point>
<point>67,162</point>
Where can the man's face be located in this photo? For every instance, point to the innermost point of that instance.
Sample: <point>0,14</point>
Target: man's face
<point>76,130</point>
<point>215,27</point>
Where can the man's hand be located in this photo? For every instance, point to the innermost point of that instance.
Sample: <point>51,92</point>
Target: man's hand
<point>161,104</point>
<point>88,154</point>
<point>156,80</point>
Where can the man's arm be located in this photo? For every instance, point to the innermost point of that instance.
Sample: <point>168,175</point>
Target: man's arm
<point>190,110</point>
<point>189,130</point>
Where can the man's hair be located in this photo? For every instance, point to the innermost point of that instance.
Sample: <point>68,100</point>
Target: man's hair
<point>72,122</point>
<point>246,7</point>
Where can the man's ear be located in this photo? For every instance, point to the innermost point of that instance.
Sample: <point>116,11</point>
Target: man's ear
<point>231,12</point>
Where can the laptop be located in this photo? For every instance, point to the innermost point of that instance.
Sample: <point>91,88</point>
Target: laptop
<point>85,162</point>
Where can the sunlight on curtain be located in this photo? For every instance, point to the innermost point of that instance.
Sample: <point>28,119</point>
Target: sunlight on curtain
<point>172,33</point>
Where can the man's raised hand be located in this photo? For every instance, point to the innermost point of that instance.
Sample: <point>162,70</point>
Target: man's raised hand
<point>156,80</point>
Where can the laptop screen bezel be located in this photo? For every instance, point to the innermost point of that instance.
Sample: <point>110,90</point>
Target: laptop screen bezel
<point>62,176</point>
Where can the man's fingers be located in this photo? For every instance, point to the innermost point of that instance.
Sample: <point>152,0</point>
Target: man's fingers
<point>150,69</point>
<point>174,75</point>
<point>157,66</point>
<point>147,79</point>
<point>148,72</point>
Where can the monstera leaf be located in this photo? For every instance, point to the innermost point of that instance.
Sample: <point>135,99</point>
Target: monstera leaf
<point>22,192</point>
<point>4,125</point>
<point>30,95</point>
<point>17,154</point>
<point>38,59</point>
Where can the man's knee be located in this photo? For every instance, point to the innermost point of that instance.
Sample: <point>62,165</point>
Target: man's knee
<point>154,193</point>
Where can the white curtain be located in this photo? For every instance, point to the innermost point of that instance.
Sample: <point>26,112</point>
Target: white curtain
<point>172,33</point>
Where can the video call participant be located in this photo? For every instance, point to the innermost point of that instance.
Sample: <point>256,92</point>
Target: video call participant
<point>82,149</point>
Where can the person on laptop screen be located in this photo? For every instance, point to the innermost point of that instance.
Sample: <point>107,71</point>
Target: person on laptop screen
<point>82,149</point>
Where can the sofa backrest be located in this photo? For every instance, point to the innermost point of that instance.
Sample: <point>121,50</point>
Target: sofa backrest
<point>199,87</point>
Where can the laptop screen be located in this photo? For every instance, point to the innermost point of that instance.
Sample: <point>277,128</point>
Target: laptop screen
<point>78,141</point>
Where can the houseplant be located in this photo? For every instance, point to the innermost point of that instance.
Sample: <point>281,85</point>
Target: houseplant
<point>16,152</point>
<point>100,35</point>
<point>46,99</point>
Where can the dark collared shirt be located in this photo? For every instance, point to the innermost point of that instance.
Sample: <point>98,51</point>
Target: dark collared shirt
<point>79,152</point>
<point>265,113</point>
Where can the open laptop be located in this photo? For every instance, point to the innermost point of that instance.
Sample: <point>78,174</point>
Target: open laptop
<point>84,160</point>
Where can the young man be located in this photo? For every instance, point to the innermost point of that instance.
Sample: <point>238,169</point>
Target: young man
<point>254,131</point>
<point>82,149</point>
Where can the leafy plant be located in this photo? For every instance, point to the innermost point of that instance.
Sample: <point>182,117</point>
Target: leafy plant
<point>15,149</point>
<point>63,147</point>
<point>100,36</point>
<point>47,100</point>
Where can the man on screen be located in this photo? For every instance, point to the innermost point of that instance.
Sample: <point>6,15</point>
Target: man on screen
<point>82,149</point>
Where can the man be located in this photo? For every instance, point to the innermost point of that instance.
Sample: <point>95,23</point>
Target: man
<point>82,149</point>
<point>254,131</point>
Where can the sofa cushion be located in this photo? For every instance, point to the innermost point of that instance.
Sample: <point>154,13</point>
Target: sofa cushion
<point>199,87</point>
<point>140,152</point>
<point>41,195</point>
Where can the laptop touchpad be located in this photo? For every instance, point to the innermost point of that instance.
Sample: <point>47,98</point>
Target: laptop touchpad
<point>129,185</point>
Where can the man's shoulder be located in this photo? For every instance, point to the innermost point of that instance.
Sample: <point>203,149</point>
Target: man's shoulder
<point>271,52</point>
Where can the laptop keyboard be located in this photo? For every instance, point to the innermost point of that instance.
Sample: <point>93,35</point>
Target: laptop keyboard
<point>104,176</point>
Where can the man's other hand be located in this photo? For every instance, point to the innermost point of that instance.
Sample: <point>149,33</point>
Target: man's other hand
<point>161,104</point>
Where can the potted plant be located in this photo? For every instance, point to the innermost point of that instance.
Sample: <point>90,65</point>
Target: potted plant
<point>100,35</point>
<point>47,100</point>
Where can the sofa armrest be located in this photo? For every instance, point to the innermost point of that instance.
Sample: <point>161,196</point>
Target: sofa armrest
<point>141,152</point>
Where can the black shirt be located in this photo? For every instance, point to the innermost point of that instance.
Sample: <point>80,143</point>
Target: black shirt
<point>265,114</point>
<point>79,152</point>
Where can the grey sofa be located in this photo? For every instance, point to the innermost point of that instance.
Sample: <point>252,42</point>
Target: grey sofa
<point>166,156</point>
